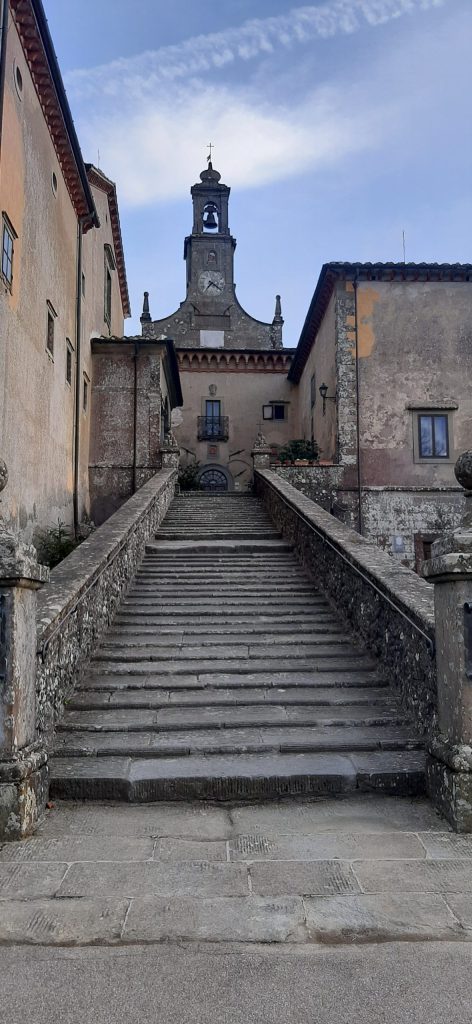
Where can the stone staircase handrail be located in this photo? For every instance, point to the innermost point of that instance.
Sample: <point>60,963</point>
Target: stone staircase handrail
<point>84,590</point>
<point>390,607</point>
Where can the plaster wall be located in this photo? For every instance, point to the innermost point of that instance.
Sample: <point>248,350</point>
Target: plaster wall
<point>37,412</point>
<point>242,395</point>
<point>322,364</point>
<point>415,347</point>
<point>37,409</point>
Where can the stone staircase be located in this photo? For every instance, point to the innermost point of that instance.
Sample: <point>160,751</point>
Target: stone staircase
<point>227,675</point>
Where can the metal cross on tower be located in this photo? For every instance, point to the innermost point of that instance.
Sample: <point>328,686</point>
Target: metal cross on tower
<point>210,146</point>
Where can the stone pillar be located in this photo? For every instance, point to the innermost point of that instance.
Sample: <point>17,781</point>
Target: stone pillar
<point>170,452</point>
<point>449,756</point>
<point>261,453</point>
<point>23,762</point>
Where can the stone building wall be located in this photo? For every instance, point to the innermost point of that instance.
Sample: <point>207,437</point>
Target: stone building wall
<point>243,387</point>
<point>126,443</point>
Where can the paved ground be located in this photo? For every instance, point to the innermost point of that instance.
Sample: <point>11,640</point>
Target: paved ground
<point>339,871</point>
<point>293,913</point>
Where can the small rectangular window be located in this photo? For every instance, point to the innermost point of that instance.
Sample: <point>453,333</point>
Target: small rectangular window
<point>69,351</point>
<point>267,412</point>
<point>85,398</point>
<point>279,412</point>
<point>8,240</point>
<point>433,436</point>
<point>51,313</point>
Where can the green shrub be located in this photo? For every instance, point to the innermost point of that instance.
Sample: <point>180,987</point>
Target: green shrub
<point>55,544</point>
<point>188,477</point>
<point>299,450</point>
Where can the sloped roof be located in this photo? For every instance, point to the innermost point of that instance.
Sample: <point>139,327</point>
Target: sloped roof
<point>99,180</point>
<point>332,272</point>
<point>32,27</point>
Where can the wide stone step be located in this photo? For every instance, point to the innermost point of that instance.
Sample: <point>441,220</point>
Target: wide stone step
<point>332,648</point>
<point>96,679</point>
<point>236,777</point>
<point>226,666</point>
<point>315,696</point>
<point>232,741</point>
<point>147,636</point>
<point>217,545</point>
<point>170,718</point>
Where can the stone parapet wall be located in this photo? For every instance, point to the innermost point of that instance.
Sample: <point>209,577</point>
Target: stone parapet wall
<point>387,513</point>
<point>387,605</point>
<point>79,602</point>
<point>324,484</point>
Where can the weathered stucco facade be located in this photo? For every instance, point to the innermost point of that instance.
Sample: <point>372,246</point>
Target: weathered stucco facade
<point>392,343</point>
<point>135,386</point>
<point>63,224</point>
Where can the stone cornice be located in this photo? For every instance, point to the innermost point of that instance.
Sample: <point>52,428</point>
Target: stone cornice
<point>234,360</point>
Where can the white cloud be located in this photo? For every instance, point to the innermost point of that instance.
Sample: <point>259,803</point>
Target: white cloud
<point>142,74</point>
<point>151,115</point>
<point>165,139</point>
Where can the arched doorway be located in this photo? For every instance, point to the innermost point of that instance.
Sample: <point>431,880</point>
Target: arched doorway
<point>215,478</point>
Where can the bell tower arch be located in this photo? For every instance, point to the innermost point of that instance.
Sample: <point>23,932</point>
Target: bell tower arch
<point>209,250</point>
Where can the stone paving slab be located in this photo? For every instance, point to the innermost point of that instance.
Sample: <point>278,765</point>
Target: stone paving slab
<point>23,881</point>
<point>62,922</point>
<point>366,813</point>
<point>293,878</point>
<point>341,845</point>
<point>461,906</point>
<point>200,821</point>
<point>397,917</point>
<point>78,848</point>
<point>193,850</point>
<point>412,876</point>
<point>248,919</point>
<point>447,847</point>
<point>183,879</point>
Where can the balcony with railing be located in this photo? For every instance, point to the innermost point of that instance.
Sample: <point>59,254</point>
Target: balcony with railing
<point>213,428</point>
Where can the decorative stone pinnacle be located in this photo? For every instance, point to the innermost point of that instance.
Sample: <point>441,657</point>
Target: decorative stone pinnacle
<point>145,315</point>
<point>170,440</point>
<point>278,318</point>
<point>261,441</point>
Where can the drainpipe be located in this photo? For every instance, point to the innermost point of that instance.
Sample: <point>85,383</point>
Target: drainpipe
<point>135,417</point>
<point>358,432</point>
<point>3,58</point>
<point>78,378</point>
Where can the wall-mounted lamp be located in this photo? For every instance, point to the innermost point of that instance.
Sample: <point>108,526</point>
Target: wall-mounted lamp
<point>323,389</point>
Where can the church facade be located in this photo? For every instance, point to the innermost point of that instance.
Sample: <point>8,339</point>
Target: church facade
<point>233,368</point>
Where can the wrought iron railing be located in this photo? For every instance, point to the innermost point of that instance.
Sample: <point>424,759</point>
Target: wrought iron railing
<point>213,428</point>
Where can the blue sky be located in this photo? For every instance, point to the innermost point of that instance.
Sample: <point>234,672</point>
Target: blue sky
<point>338,125</point>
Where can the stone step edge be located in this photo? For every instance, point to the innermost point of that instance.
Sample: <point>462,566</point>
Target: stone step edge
<point>227,779</point>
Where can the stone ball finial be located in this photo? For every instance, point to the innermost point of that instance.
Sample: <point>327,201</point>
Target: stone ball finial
<point>463,470</point>
<point>3,475</point>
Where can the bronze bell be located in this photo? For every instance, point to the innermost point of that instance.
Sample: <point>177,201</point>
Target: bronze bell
<point>210,221</point>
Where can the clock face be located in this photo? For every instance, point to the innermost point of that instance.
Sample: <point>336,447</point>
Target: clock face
<point>211,282</point>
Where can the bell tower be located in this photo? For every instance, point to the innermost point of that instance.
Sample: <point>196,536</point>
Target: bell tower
<point>209,250</point>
